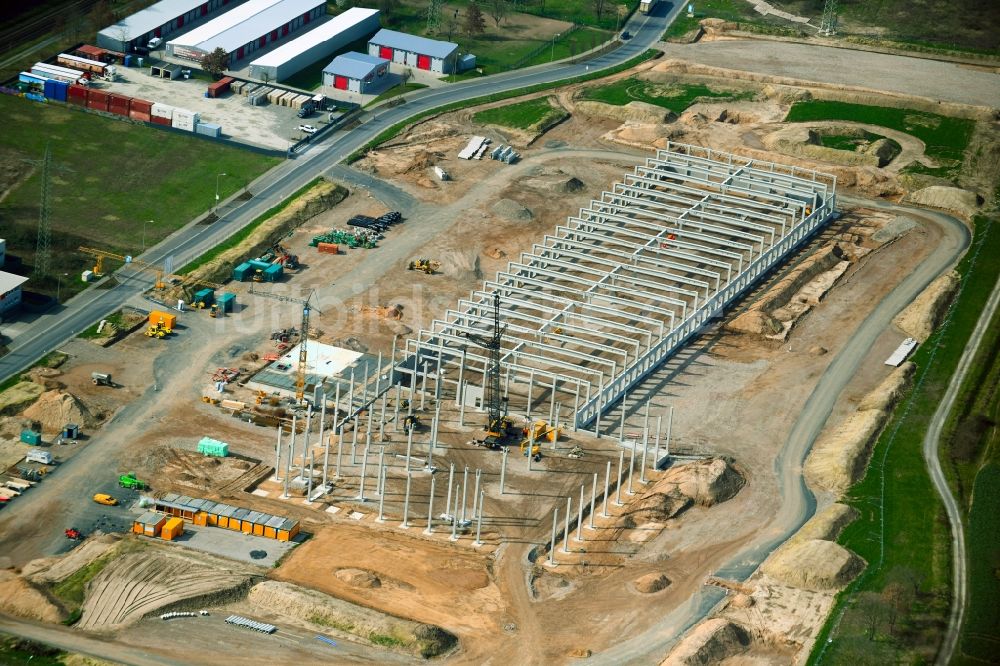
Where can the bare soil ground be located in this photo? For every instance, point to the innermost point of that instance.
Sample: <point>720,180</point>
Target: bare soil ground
<point>501,599</point>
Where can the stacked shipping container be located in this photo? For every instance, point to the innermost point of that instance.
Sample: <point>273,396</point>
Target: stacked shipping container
<point>161,114</point>
<point>141,110</point>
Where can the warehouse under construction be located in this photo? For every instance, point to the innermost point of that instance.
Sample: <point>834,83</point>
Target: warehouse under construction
<point>611,294</point>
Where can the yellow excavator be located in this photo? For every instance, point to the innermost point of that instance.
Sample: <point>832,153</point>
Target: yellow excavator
<point>428,266</point>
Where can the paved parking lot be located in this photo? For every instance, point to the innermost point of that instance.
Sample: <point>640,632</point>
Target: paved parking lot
<point>234,545</point>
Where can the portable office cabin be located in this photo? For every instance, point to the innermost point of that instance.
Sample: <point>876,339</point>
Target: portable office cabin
<point>357,72</point>
<point>428,54</point>
<point>355,24</point>
<point>247,29</point>
<point>149,524</point>
<point>164,18</point>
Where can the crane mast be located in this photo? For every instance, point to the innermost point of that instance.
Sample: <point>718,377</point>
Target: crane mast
<point>300,372</point>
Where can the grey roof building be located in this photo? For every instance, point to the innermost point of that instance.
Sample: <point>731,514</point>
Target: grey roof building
<point>357,72</point>
<point>159,20</point>
<point>413,51</point>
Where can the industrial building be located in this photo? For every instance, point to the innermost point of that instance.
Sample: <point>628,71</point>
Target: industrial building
<point>412,51</point>
<point>10,291</point>
<point>164,18</point>
<point>357,72</point>
<point>214,514</point>
<point>614,292</point>
<point>247,29</point>
<point>322,41</point>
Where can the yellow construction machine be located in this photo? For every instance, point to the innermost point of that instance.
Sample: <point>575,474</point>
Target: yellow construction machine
<point>158,330</point>
<point>428,266</point>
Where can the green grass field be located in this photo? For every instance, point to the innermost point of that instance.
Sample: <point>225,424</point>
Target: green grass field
<point>532,114</point>
<point>677,98</point>
<point>109,177</point>
<point>980,641</point>
<point>902,530</point>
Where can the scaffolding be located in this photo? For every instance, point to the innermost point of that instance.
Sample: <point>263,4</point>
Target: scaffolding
<point>611,294</point>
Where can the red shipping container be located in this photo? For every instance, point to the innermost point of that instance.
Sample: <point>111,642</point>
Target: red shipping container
<point>139,115</point>
<point>98,96</point>
<point>141,105</point>
<point>220,86</point>
<point>96,105</point>
<point>79,101</point>
<point>328,248</point>
<point>160,121</point>
<point>118,110</point>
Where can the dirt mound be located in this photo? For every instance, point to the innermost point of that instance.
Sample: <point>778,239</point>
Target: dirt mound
<point>839,458</point>
<point>18,397</point>
<point>813,564</point>
<point>709,643</point>
<point>922,316</point>
<point>54,409</point>
<point>18,597</point>
<point>138,584</point>
<point>755,322</point>
<point>512,210</point>
<point>55,569</point>
<point>393,312</point>
<point>953,199</point>
<point>651,582</point>
<point>46,377</point>
<point>827,524</point>
<point>741,600</point>
<point>644,135</point>
<point>736,117</point>
<point>635,111</point>
<point>461,264</point>
<point>894,229</point>
<point>574,184</point>
<point>703,482</point>
<point>358,578</point>
<point>423,160</point>
<point>318,609</point>
<point>800,141</point>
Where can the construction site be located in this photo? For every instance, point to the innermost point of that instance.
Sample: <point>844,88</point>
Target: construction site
<point>536,411</point>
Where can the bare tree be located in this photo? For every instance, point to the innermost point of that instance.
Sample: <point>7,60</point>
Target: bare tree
<point>498,10</point>
<point>873,611</point>
<point>475,24</point>
<point>599,7</point>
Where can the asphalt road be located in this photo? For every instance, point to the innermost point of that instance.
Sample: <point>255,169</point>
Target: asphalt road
<point>932,442</point>
<point>51,330</point>
<point>797,502</point>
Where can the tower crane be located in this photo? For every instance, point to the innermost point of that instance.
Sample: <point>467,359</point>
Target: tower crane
<point>101,255</point>
<point>300,376</point>
<point>499,426</point>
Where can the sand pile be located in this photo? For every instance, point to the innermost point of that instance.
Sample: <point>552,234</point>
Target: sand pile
<point>703,482</point>
<point>894,229</point>
<point>18,597</point>
<point>827,524</point>
<point>755,322</point>
<point>643,135</point>
<point>19,396</point>
<point>953,199</point>
<point>55,569</point>
<point>54,409</point>
<point>839,458</point>
<point>920,318</point>
<point>358,578</point>
<point>635,111</point>
<point>651,582</point>
<point>461,264</point>
<point>512,210</point>
<point>709,643</point>
<point>318,609</point>
<point>813,564</point>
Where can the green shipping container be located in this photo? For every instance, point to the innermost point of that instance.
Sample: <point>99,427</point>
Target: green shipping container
<point>206,296</point>
<point>31,437</point>
<point>242,272</point>
<point>226,302</point>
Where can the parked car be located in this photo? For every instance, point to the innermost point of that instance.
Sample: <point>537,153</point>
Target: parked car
<point>154,42</point>
<point>105,499</point>
<point>308,129</point>
<point>626,35</point>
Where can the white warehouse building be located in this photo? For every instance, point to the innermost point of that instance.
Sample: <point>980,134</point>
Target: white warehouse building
<point>320,42</point>
<point>159,20</point>
<point>248,28</point>
<point>413,51</point>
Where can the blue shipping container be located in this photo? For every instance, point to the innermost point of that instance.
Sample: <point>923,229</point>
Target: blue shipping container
<point>56,90</point>
<point>273,272</point>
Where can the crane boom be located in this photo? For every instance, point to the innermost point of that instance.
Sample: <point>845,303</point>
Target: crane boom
<point>495,404</point>
<point>300,375</point>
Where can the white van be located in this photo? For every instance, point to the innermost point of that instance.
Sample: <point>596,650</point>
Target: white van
<point>154,43</point>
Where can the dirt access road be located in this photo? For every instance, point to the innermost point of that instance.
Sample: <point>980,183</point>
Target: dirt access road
<point>798,503</point>
<point>878,71</point>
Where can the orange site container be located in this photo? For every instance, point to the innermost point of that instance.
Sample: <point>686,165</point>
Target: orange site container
<point>172,529</point>
<point>169,319</point>
<point>328,248</point>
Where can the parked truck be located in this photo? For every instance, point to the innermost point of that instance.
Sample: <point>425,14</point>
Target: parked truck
<point>131,482</point>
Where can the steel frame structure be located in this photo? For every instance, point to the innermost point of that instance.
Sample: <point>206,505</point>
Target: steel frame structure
<point>610,295</point>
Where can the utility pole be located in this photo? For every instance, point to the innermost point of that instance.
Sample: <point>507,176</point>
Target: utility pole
<point>828,24</point>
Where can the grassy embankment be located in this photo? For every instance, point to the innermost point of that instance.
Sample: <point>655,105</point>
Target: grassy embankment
<point>534,115</point>
<point>676,97</point>
<point>108,178</point>
<point>945,138</point>
<point>896,611</point>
